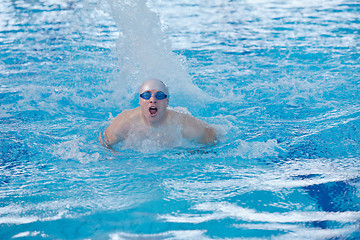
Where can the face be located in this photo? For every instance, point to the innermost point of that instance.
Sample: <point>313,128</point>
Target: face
<point>153,110</point>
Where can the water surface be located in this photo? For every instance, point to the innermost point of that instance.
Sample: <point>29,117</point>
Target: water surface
<point>279,79</point>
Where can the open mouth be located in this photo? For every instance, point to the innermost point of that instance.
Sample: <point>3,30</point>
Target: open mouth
<point>153,111</point>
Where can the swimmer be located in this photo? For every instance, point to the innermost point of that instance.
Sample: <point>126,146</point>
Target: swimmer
<point>154,114</point>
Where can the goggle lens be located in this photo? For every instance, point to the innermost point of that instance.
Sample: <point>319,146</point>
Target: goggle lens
<point>158,95</point>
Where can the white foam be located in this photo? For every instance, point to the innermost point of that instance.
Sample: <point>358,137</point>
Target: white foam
<point>268,226</point>
<point>290,176</point>
<point>76,149</point>
<point>318,233</point>
<point>28,219</point>
<point>255,149</point>
<point>72,207</point>
<point>299,232</point>
<point>226,210</point>
<point>18,220</point>
<point>174,235</point>
<point>30,234</point>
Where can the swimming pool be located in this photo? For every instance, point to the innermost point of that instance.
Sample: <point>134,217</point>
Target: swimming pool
<point>279,79</point>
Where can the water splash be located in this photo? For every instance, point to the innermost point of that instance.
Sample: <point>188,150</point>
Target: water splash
<point>143,50</point>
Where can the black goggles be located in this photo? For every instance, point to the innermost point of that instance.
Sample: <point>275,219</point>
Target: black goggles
<point>158,95</point>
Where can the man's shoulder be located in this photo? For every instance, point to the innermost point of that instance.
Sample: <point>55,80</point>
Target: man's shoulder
<point>129,113</point>
<point>179,113</point>
<point>184,118</point>
<point>126,117</point>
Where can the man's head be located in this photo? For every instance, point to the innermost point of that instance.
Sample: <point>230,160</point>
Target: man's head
<point>154,100</point>
<point>154,84</point>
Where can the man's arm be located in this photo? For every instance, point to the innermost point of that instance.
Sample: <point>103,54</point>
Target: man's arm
<point>116,130</point>
<point>197,130</point>
<point>209,136</point>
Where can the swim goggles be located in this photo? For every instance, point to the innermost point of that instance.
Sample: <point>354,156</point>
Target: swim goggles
<point>158,95</point>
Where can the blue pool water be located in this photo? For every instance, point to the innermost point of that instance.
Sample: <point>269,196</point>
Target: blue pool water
<point>278,79</point>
